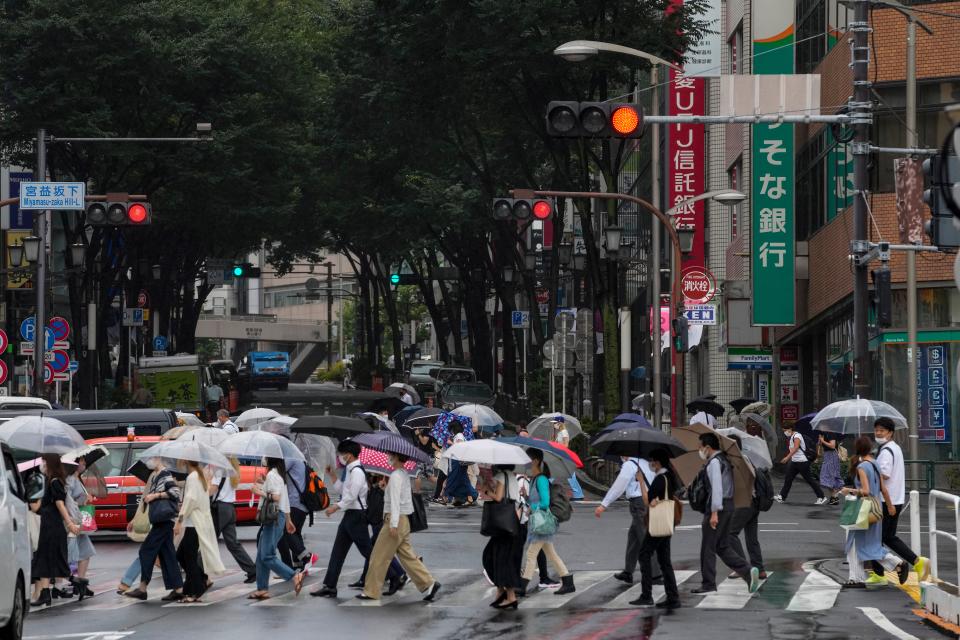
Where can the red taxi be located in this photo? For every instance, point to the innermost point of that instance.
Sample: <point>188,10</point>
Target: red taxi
<point>114,511</point>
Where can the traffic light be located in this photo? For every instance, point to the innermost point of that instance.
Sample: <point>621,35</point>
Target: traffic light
<point>119,213</point>
<point>681,337</point>
<point>522,209</point>
<point>245,270</point>
<point>397,279</point>
<point>594,120</point>
<point>882,296</point>
<point>940,180</point>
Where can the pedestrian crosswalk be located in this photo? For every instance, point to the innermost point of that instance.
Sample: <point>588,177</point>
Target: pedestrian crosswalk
<point>799,591</point>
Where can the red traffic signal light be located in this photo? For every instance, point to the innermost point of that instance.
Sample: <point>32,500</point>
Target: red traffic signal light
<point>542,209</point>
<point>521,209</point>
<point>137,213</point>
<point>567,119</point>
<point>119,213</point>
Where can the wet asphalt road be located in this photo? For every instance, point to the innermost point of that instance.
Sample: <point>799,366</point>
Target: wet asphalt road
<point>794,537</point>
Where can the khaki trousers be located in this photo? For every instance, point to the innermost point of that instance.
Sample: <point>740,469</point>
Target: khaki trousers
<point>385,548</point>
<point>530,566</point>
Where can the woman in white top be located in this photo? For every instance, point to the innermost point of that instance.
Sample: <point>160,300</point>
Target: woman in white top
<point>503,554</point>
<point>199,536</point>
<point>394,539</point>
<point>273,488</point>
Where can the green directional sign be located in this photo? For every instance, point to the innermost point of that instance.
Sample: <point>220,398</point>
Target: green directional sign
<point>773,236</point>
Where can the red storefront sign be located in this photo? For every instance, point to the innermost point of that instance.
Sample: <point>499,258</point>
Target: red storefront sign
<point>687,157</point>
<point>698,285</point>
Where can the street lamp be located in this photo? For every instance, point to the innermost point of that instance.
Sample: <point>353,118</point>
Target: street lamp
<point>31,247</point>
<point>613,236</point>
<point>508,275</point>
<point>580,50</point>
<point>530,261</point>
<point>565,254</point>
<point>579,262</point>
<point>156,272</point>
<point>686,232</point>
<point>16,254</point>
<point>77,254</point>
<point>729,197</point>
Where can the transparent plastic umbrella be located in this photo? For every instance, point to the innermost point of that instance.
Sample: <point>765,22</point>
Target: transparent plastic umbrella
<point>191,450</point>
<point>542,426</point>
<point>210,436</point>
<point>279,425</point>
<point>855,416</point>
<point>260,444</point>
<point>254,416</point>
<point>487,452</point>
<point>40,434</point>
<point>754,448</point>
<point>480,415</point>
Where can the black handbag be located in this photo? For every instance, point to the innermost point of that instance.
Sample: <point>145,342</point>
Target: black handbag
<point>269,511</point>
<point>162,510</point>
<point>418,519</point>
<point>500,519</point>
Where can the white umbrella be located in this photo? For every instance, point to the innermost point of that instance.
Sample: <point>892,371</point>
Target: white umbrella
<point>855,416</point>
<point>254,416</point>
<point>480,415</point>
<point>487,452</point>
<point>41,435</point>
<point>754,448</point>
<point>260,444</point>
<point>398,389</point>
<point>210,436</point>
<point>542,426</point>
<point>190,450</point>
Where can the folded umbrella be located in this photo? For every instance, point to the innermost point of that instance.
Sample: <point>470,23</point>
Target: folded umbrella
<point>754,448</point>
<point>856,416</point>
<point>340,427</point>
<point>636,442</point>
<point>40,434</point>
<point>487,452</point>
<point>743,475</point>
<point>392,443</point>
<point>542,426</point>
<point>250,417</point>
<point>192,451</point>
<point>260,444</point>
<point>562,464</point>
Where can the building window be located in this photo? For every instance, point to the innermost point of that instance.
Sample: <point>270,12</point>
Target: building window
<point>811,190</point>
<point>734,177</point>
<point>735,49</point>
<point>811,16</point>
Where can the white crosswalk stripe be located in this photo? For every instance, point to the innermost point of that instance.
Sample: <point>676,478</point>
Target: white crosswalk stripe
<point>549,599</point>
<point>732,593</point>
<point>623,600</point>
<point>817,593</point>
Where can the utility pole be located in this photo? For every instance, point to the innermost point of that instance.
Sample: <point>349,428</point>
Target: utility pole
<point>861,110</point>
<point>39,334</point>
<point>655,234</point>
<point>912,141</point>
<point>329,266</point>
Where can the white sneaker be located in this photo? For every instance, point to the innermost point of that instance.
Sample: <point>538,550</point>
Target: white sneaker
<point>778,498</point>
<point>820,501</point>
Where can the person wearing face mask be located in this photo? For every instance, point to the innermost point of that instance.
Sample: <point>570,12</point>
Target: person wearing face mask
<point>662,488</point>
<point>715,529</point>
<point>797,463</point>
<point>890,461</point>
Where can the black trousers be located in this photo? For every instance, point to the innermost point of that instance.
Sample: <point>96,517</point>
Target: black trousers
<point>636,534</point>
<point>352,531</point>
<point>661,547</point>
<point>291,546</point>
<point>438,490</point>
<point>747,520</point>
<point>188,555</point>
<point>159,543</point>
<point>803,468</point>
<point>718,542</point>
<point>892,541</point>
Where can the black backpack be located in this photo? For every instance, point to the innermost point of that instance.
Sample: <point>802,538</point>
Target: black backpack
<point>808,446</point>
<point>763,490</point>
<point>698,493</point>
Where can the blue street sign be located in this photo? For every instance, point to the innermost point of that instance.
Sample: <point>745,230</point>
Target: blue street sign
<point>74,366</point>
<point>56,196</point>
<point>704,314</point>
<point>160,343</point>
<point>520,320</point>
<point>27,327</point>
<point>49,338</point>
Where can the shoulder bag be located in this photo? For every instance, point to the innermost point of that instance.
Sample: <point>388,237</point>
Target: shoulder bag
<point>269,510</point>
<point>542,522</point>
<point>500,518</point>
<point>140,524</point>
<point>662,517</point>
<point>418,519</point>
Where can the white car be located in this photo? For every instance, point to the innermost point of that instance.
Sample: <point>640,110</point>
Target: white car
<point>14,549</point>
<point>21,403</point>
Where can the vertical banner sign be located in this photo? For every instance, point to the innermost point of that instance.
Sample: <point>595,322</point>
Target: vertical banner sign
<point>773,184</point>
<point>840,157</point>
<point>19,219</point>
<point>933,396</point>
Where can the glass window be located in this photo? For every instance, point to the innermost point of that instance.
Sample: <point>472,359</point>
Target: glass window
<point>734,176</point>
<point>13,476</point>
<point>936,307</point>
<point>735,49</point>
<point>111,465</point>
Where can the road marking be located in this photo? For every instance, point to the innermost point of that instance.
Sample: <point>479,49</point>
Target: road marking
<point>289,598</point>
<point>732,593</point>
<point>216,595</point>
<point>622,601</point>
<point>90,635</point>
<point>452,581</point>
<point>795,530</point>
<point>548,599</point>
<point>873,614</point>
<point>817,593</point>
<point>475,593</point>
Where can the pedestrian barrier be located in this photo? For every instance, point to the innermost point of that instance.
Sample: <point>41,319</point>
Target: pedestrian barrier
<point>939,597</point>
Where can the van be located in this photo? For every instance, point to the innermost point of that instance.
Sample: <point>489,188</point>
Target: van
<point>15,549</point>
<point>260,369</point>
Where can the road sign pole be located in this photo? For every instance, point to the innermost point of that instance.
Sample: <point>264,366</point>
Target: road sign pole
<point>40,285</point>
<point>525,337</point>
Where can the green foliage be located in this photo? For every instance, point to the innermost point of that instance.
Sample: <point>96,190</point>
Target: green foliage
<point>208,349</point>
<point>334,374</point>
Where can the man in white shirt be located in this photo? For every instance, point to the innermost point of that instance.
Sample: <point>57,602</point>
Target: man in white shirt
<point>225,423</point>
<point>627,483</point>
<point>704,418</point>
<point>797,463</point>
<point>223,495</point>
<point>394,539</point>
<point>893,470</point>
<point>353,528</point>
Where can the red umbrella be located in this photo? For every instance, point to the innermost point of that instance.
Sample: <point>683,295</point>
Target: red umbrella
<point>569,452</point>
<point>378,462</point>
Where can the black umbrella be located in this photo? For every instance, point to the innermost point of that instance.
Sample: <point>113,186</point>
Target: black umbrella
<point>340,427</point>
<point>707,404</point>
<point>424,418</point>
<point>391,443</point>
<point>637,442</point>
<point>393,406</point>
<point>740,403</point>
<point>142,472</point>
<point>405,413</point>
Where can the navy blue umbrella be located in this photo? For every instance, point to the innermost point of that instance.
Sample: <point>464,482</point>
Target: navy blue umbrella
<point>405,413</point>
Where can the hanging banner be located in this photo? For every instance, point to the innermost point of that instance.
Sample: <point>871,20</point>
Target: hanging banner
<point>703,58</point>
<point>773,234</point>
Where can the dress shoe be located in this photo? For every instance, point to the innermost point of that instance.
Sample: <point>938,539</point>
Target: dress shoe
<point>500,598</point>
<point>702,590</point>
<point>623,576</point>
<point>324,592</point>
<point>363,596</point>
<point>44,599</point>
<point>173,596</point>
<point>250,579</point>
<point>356,585</point>
<point>509,605</point>
<point>432,593</point>
<point>642,601</point>
<point>395,585</point>
<point>136,594</point>
<point>669,605</point>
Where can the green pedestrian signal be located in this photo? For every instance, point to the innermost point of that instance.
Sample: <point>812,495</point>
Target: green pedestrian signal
<point>238,271</point>
<point>245,270</point>
<point>394,279</point>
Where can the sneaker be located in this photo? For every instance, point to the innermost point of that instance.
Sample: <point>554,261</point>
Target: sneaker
<point>623,576</point>
<point>820,501</point>
<point>903,572</point>
<point>834,501</point>
<point>922,567</point>
<point>778,498</point>
<point>669,605</point>
<point>549,583</point>
<point>754,579</point>
<point>875,581</point>
<point>642,601</point>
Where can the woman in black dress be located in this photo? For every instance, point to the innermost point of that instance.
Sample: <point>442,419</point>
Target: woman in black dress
<point>501,559</point>
<point>50,560</point>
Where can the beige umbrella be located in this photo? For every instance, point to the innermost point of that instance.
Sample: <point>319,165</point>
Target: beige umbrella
<point>689,464</point>
<point>176,432</point>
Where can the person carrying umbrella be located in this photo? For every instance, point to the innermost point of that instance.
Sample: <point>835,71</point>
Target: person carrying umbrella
<point>561,435</point>
<point>504,551</point>
<point>747,520</point>
<point>398,505</point>
<point>199,536</point>
<point>628,482</point>
<point>50,559</point>
<point>542,537</point>
<point>80,547</point>
<point>225,423</point>
<point>274,521</point>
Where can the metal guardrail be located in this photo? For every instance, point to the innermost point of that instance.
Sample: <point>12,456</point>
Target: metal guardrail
<point>936,534</point>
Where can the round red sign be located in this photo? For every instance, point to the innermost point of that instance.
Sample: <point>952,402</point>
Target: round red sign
<point>543,296</point>
<point>698,285</point>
